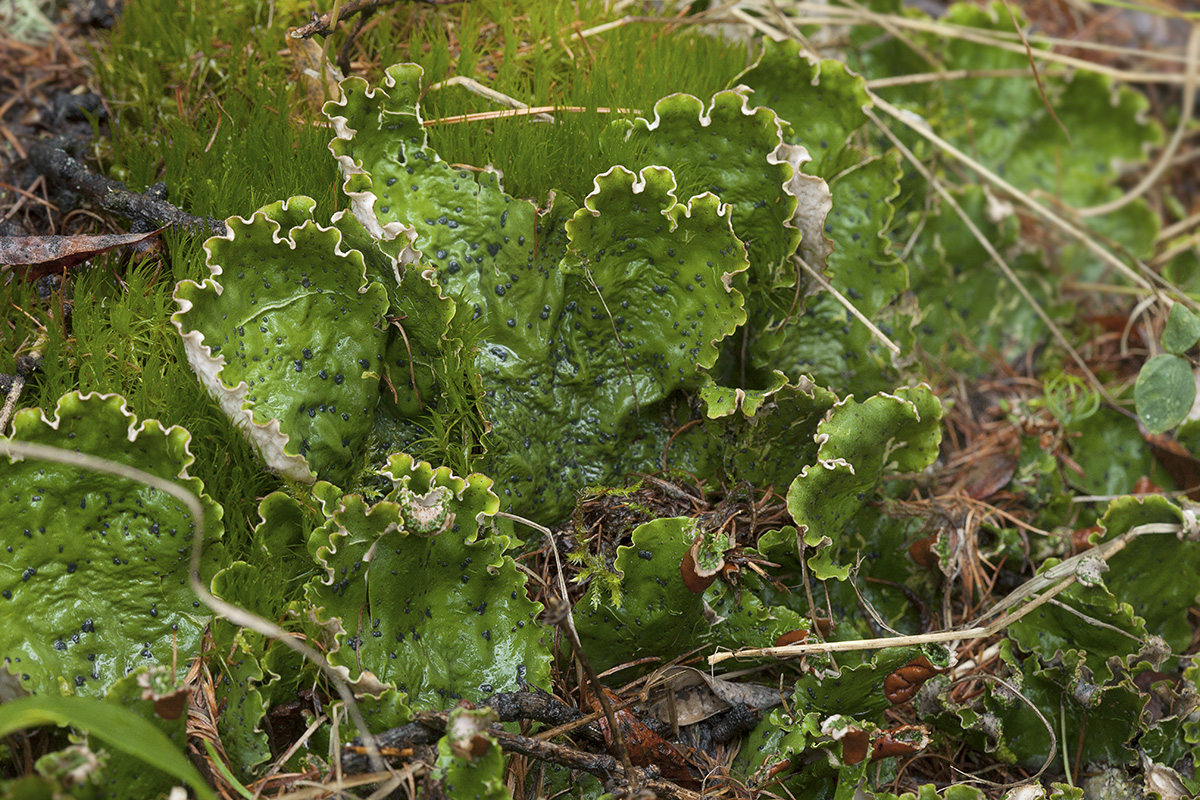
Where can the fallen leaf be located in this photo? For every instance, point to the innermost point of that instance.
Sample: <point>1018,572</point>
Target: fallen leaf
<point>41,255</point>
<point>698,696</point>
<point>645,747</point>
<point>988,476</point>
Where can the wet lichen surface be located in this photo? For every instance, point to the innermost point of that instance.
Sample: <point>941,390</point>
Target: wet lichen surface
<point>96,574</point>
<point>661,413</point>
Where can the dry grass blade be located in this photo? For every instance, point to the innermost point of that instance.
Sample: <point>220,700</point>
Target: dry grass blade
<point>475,87</point>
<point>1037,76</point>
<point>994,255</point>
<point>1168,154</point>
<point>526,112</point>
<point>1041,588</point>
<point>956,75</point>
<point>858,315</point>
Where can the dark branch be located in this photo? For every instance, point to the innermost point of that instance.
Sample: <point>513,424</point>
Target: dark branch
<point>145,211</point>
<point>428,727</point>
<point>324,24</point>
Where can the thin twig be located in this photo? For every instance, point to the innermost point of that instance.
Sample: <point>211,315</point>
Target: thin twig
<point>1034,69</point>
<point>1045,586</point>
<point>621,345</point>
<point>63,171</point>
<point>858,315</point>
<point>479,116</point>
<point>1164,160</point>
<point>955,75</point>
<point>558,611</point>
<point>325,24</point>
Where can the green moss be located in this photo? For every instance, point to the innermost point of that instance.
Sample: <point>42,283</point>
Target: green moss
<point>120,340</point>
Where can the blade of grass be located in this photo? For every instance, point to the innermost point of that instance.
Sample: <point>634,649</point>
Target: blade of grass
<point>119,728</point>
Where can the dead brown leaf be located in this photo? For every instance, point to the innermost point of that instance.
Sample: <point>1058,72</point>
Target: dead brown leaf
<point>41,255</point>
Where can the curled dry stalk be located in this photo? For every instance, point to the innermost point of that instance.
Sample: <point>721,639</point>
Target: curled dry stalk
<point>1039,590</point>
<point>1168,153</point>
<point>235,614</point>
<point>1032,779</point>
<point>1005,269</point>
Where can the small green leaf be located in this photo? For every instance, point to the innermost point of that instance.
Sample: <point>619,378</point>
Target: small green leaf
<point>781,736</point>
<point>119,728</point>
<point>1182,330</point>
<point>1112,453</point>
<point>463,770</point>
<point>1159,576</point>
<point>1087,622</point>
<point>766,435</point>
<point>1165,392</point>
<point>822,100</point>
<point>1065,692</point>
<point>417,590</point>
<point>739,154</point>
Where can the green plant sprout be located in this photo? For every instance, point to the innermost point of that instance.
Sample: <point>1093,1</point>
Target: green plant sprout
<point>1068,399</point>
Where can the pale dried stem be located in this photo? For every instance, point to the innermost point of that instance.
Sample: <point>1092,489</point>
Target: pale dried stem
<point>480,116</point>
<point>757,24</point>
<point>1137,312</point>
<point>315,791</point>
<point>1106,288</point>
<point>1042,588</point>
<point>278,763</point>
<point>858,315</point>
<point>886,21</point>
<point>956,75</point>
<point>1164,161</point>
<point>991,250</point>
<point>1032,779</point>
<point>475,87</point>
<point>1165,256</point>
<point>785,22</point>
<point>1171,231</point>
